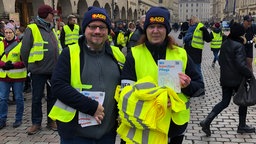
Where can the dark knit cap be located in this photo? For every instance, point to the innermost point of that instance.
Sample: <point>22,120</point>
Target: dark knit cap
<point>248,18</point>
<point>158,15</point>
<point>96,14</point>
<point>44,10</point>
<point>236,30</point>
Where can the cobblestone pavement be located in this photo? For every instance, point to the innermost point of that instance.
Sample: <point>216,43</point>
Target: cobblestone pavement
<point>223,127</point>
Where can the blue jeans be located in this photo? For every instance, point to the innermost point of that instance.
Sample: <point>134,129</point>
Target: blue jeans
<point>4,96</point>
<point>198,69</point>
<point>109,138</point>
<point>216,55</point>
<point>38,84</point>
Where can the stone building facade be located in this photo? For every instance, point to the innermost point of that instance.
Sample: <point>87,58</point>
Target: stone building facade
<point>23,11</point>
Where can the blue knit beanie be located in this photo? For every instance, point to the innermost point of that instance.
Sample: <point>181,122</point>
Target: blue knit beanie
<point>96,14</point>
<point>159,15</point>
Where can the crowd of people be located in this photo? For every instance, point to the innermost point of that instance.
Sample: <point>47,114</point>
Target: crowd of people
<point>87,75</point>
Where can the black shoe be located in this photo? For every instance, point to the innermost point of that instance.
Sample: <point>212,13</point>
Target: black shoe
<point>11,102</point>
<point>2,125</point>
<point>245,129</point>
<point>213,64</point>
<point>16,124</point>
<point>28,90</point>
<point>205,128</point>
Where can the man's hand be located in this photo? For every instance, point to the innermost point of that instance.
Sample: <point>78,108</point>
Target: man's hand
<point>99,114</point>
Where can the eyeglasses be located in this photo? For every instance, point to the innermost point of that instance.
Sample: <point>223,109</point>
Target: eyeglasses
<point>8,32</point>
<point>94,27</point>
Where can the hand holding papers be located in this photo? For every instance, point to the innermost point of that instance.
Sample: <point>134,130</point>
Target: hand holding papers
<point>168,74</point>
<point>87,120</point>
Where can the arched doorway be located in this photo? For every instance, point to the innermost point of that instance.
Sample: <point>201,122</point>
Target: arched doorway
<point>81,9</point>
<point>64,9</point>
<point>25,10</point>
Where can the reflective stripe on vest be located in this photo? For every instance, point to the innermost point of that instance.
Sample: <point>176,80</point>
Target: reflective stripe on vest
<point>197,39</point>
<point>37,51</point>
<point>217,40</point>
<point>144,107</point>
<point>14,56</point>
<point>71,36</point>
<point>65,113</point>
<point>143,64</point>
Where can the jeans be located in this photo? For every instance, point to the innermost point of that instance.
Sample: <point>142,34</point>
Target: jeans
<point>215,54</point>
<point>108,138</point>
<point>198,69</point>
<point>38,84</point>
<point>227,93</point>
<point>4,96</point>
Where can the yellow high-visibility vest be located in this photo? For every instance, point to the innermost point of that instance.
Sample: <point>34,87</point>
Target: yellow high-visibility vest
<point>121,39</point>
<point>14,56</point>
<point>71,36</point>
<point>197,39</point>
<point>37,51</point>
<point>216,41</point>
<point>146,66</point>
<point>145,117</point>
<point>62,112</point>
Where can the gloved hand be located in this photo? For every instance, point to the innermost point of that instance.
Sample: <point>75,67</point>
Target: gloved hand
<point>8,65</point>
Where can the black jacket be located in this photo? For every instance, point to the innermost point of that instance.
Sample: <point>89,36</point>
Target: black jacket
<point>194,53</point>
<point>232,60</point>
<point>134,38</point>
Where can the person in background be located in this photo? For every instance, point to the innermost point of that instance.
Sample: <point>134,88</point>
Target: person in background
<point>11,21</point>
<point>20,32</point>
<point>70,32</point>
<point>142,61</point>
<point>12,75</point>
<point>233,68</point>
<point>194,41</point>
<point>90,65</point>
<point>2,25</point>
<point>217,38</point>
<point>40,51</point>
<point>111,34</point>
<point>131,29</point>
<point>60,27</point>
<point>250,31</point>
<point>120,38</point>
<point>183,29</point>
<point>137,33</point>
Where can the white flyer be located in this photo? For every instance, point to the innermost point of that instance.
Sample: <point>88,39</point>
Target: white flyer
<point>168,74</point>
<point>87,120</point>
